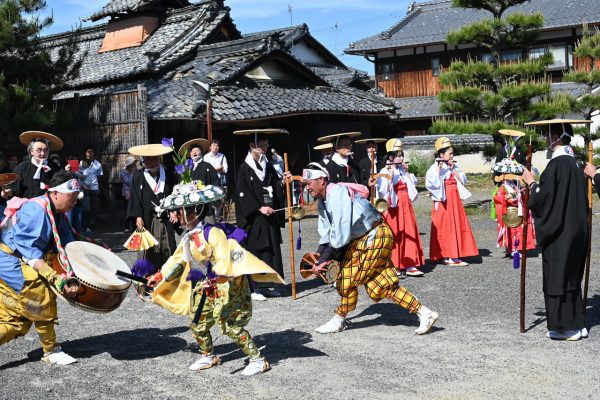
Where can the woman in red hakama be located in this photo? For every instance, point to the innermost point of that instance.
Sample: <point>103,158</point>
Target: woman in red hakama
<point>451,235</point>
<point>399,191</point>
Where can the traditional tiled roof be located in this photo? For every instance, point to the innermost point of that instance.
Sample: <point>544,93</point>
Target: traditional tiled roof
<point>167,67</point>
<point>118,7</point>
<point>424,107</point>
<point>182,31</point>
<point>430,22</point>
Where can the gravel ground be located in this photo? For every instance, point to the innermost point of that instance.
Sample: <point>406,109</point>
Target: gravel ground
<point>475,351</point>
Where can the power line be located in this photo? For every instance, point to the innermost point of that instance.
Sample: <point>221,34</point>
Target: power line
<point>356,23</point>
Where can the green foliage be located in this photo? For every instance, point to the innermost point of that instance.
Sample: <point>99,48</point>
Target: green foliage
<point>419,162</point>
<point>495,94</point>
<point>29,77</point>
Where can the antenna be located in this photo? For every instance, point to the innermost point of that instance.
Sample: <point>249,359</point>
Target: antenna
<point>290,11</point>
<point>337,29</point>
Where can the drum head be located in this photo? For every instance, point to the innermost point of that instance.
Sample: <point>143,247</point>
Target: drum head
<point>96,265</point>
<point>333,270</point>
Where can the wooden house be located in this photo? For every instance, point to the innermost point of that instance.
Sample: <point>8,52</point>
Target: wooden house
<point>409,56</point>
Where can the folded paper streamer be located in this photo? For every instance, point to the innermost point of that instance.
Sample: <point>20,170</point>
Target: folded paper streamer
<point>140,240</point>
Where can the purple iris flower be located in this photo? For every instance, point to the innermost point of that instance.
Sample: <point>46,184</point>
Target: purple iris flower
<point>180,169</point>
<point>189,163</point>
<point>167,142</point>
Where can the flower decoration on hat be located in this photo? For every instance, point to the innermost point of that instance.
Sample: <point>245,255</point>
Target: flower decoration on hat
<point>183,165</point>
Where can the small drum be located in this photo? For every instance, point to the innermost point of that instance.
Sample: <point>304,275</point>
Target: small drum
<point>512,219</point>
<point>100,289</point>
<point>309,260</point>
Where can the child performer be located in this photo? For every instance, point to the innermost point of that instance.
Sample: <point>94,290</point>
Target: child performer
<point>451,235</point>
<point>400,191</point>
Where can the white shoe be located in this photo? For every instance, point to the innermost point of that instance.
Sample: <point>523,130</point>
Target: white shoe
<point>567,334</point>
<point>426,320</point>
<point>58,357</point>
<point>414,271</point>
<point>584,333</point>
<point>456,262</point>
<point>205,362</point>
<point>256,366</point>
<point>257,296</point>
<point>335,324</point>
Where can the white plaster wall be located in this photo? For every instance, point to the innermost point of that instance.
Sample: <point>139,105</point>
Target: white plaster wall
<point>306,54</point>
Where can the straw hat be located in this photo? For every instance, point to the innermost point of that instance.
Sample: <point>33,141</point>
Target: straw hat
<point>150,150</point>
<point>511,132</point>
<point>267,131</point>
<point>202,143</point>
<point>374,140</point>
<point>335,136</point>
<point>55,143</point>
<point>558,121</point>
<point>7,179</point>
<point>442,142</point>
<point>393,145</point>
<point>323,146</point>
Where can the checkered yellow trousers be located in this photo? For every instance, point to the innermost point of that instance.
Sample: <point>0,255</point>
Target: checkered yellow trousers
<point>231,309</point>
<point>368,262</point>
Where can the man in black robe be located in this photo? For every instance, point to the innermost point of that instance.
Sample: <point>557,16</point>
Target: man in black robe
<point>559,205</point>
<point>258,192</point>
<point>203,171</point>
<point>35,173</point>
<point>326,151</point>
<point>148,187</point>
<point>341,167</point>
<point>365,164</point>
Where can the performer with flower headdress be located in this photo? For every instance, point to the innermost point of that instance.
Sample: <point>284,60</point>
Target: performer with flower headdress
<point>31,235</point>
<point>149,186</point>
<point>353,231</point>
<point>451,234</point>
<point>508,202</point>
<point>215,291</point>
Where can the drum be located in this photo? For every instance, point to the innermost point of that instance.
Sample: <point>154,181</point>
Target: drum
<point>100,289</point>
<point>309,260</point>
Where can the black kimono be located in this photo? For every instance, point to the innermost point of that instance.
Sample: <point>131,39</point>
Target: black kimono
<point>25,186</point>
<point>343,173</point>
<point>365,168</point>
<point>559,205</point>
<point>264,232</point>
<point>206,173</point>
<point>142,203</point>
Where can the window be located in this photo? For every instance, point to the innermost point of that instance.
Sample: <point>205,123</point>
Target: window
<point>486,57</point>
<point>435,66</point>
<point>562,55</point>
<point>386,71</point>
<point>509,56</point>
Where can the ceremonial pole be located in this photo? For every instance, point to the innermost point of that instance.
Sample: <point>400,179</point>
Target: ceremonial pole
<point>589,238</point>
<point>372,189</point>
<point>524,245</point>
<point>290,225</point>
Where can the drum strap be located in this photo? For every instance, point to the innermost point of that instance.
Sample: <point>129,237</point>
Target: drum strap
<point>62,254</point>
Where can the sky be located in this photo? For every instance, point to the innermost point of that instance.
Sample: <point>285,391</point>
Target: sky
<point>355,19</point>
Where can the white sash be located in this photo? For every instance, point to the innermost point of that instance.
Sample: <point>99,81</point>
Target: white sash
<point>157,187</point>
<point>252,164</point>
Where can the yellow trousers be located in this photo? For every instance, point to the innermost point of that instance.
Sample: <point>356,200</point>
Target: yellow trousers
<point>368,262</point>
<point>36,304</point>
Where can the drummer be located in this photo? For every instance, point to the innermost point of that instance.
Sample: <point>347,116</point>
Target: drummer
<point>29,242</point>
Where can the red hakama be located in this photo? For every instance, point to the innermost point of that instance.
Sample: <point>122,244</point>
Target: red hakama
<point>451,235</point>
<point>408,249</point>
<point>506,235</point>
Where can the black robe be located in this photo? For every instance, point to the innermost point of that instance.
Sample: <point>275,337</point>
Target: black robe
<point>25,186</point>
<point>208,175</point>
<point>559,205</point>
<point>339,173</point>
<point>365,168</point>
<point>264,232</point>
<point>141,204</point>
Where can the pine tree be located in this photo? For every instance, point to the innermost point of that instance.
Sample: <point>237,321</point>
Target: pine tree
<point>29,76</point>
<point>484,96</point>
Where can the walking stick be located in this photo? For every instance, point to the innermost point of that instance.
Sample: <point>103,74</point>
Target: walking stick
<point>291,227</point>
<point>524,245</point>
<point>371,176</point>
<point>589,238</point>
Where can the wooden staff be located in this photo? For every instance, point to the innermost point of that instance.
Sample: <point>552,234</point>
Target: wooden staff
<point>589,238</point>
<point>524,245</point>
<point>290,224</point>
<point>209,118</point>
<point>371,176</point>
